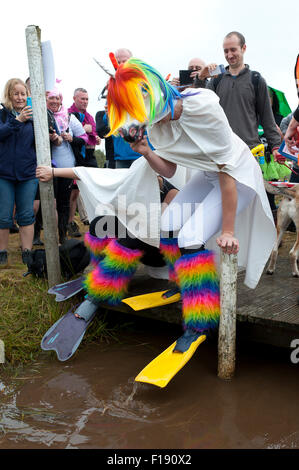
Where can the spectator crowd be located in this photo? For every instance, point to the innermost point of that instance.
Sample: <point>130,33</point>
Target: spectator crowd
<point>251,107</point>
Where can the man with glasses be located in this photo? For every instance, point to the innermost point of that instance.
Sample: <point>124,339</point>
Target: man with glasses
<point>197,67</point>
<point>117,148</point>
<point>122,55</point>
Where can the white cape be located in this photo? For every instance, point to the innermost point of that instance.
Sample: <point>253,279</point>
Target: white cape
<point>200,140</point>
<point>132,195</point>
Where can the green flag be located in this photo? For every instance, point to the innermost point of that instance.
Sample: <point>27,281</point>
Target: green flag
<point>283,106</point>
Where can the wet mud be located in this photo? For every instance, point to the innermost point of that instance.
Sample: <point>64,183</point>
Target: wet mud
<point>92,401</point>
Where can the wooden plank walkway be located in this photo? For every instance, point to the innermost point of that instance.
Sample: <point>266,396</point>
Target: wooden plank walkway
<point>267,314</point>
<point>270,313</point>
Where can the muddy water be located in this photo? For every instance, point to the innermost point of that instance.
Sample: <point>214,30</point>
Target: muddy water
<point>92,402</point>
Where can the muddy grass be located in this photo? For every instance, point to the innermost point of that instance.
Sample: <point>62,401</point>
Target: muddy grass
<point>27,310</point>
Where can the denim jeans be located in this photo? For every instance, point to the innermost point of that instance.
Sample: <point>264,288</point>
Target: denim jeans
<point>62,192</point>
<point>21,194</point>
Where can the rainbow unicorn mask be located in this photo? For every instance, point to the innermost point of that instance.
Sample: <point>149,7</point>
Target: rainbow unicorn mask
<point>137,96</point>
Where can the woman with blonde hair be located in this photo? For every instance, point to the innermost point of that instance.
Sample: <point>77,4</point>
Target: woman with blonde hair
<point>18,183</point>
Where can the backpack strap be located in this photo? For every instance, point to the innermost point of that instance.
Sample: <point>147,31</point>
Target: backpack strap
<point>255,78</point>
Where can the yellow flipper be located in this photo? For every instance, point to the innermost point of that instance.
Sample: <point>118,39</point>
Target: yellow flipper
<point>163,368</point>
<point>151,300</point>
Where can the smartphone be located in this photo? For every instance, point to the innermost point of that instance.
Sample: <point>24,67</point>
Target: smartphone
<point>29,101</point>
<point>218,70</point>
<point>185,78</point>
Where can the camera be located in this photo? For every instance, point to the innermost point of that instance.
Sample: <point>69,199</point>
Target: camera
<point>51,122</point>
<point>185,78</point>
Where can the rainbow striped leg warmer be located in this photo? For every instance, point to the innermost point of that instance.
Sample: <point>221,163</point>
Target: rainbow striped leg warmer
<point>199,284</point>
<point>171,253</point>
<point>96,247</point>
<point>109,280</point>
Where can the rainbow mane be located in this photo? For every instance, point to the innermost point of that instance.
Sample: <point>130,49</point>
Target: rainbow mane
<point>126,91</point>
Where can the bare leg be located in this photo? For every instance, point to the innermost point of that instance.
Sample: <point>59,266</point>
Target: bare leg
<point>73,204</point>
<point>81,210</point>
<point>4,234</point>
<point>36,205</point>
<point>26,235</point>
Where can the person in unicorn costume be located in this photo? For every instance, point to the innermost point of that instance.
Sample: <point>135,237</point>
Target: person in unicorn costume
<point>223,204</point>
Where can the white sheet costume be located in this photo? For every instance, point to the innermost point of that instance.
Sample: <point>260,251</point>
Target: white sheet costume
<point>200,139</point>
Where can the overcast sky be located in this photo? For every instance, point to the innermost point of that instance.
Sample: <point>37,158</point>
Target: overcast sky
<point>164,33</point>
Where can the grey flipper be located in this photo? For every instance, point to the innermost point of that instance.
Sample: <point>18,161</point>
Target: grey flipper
<point>67,333</point>
<point>67,289</point>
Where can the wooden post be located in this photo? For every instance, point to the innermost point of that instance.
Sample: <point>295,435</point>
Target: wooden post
<point>227,325</point>
<point>43,153</point>
<point>2,352</point>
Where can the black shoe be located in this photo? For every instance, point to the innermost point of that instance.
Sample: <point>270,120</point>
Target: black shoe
<point>14,229</point>
<point>36,237</point>
<point>3,258</point>
<point>37,242</point>
<point>26,256</point>
<point>73,230</point>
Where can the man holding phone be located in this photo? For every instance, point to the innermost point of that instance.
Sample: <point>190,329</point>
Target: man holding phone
<point>195,76</point>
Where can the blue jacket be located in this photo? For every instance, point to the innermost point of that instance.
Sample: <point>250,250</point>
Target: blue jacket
<point>17,148</point>
<point>122,150</point>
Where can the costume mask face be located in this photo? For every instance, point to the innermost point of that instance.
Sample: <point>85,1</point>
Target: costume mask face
<point>138,96</point>
<point>133,130</point>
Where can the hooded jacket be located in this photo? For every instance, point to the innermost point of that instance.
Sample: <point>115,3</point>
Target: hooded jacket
<point>17,148</point>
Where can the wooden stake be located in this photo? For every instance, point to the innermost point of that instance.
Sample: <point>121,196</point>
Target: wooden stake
<point>227,325</point>
<point>2,352</point>
<point>43,153</point>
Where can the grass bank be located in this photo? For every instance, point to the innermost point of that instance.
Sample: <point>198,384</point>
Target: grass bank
<point>27,310</point>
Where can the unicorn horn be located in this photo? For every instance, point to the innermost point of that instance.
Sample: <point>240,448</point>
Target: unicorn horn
<point>104,68</point>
